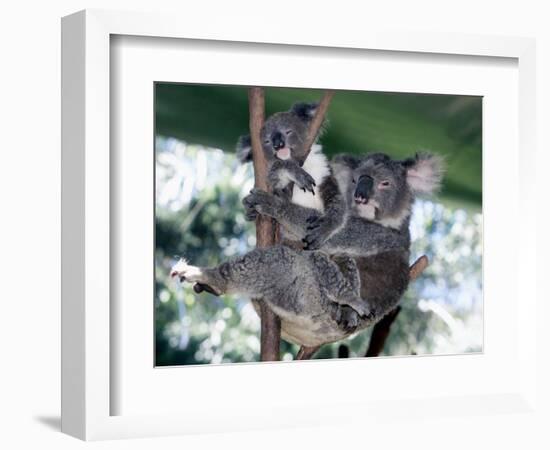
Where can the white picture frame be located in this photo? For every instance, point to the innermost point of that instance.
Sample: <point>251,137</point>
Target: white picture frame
<point>87,386</point>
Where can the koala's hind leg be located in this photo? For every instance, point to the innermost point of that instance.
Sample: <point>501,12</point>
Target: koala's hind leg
<point>341,280</point>
<point>351,283</point>
<point>270,273</point>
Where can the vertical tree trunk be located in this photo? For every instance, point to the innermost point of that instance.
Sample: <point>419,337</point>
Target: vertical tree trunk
<point>265,227</point>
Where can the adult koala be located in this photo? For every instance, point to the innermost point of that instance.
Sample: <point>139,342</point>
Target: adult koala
<point>360,272</point>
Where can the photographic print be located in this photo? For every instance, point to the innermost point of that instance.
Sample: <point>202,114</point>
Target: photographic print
<point>371,209</point>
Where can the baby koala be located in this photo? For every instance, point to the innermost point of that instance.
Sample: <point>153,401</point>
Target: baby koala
<point>284,137</point>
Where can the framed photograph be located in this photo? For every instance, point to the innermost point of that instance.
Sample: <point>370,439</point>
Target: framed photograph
<point>236,202</point>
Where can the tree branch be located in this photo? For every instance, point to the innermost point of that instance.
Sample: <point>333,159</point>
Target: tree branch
<point>306,352</point>
<point>265,228</point>
<point>313,132</point>
<point>418,267</point>
<point>381,330</point>
<point>318,120</point>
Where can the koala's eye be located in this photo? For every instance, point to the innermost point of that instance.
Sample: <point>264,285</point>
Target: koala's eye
<point>384,184</point>
<point>353,180</point>
<point>266,141</point>
<point>288,132</point>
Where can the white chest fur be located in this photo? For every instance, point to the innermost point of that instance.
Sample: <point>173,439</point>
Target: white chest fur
<point>317,166</point>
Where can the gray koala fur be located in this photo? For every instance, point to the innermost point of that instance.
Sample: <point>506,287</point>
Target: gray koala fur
<point>304,178</point>
<point>315,293</point>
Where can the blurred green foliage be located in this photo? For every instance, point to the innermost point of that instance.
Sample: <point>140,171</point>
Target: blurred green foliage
<point>396,123</point>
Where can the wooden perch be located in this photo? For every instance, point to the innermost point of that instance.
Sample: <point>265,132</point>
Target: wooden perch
<point>265,227</point>
<point>418,267</point>
<point>381,330</point>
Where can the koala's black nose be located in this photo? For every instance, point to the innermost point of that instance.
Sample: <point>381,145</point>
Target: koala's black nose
<point>363,189</point>
<point>278,140</point>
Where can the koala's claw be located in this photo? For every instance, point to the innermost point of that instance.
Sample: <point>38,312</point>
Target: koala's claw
<point>315,222</point>
<point>250,212</point>
<point>346,318</point>
<point>362,309</point>
<point>313,226</point>
<point>200,287</point>
<point>315,232</point>
<point>304,181</point>
<point>312,241</point>
<point>313,218</point>
<point>251,216</point>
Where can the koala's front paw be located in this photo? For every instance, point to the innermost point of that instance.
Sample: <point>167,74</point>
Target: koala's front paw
<point>346,318</point>
<point>250,212</point>
<point>259,202</point>
<point>317,231</point>
<point>303,180</point>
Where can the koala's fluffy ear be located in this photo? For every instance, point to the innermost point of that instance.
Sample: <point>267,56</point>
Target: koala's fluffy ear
<point>244,149</point>
<point>305,111</point>
<point>424,173</point>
